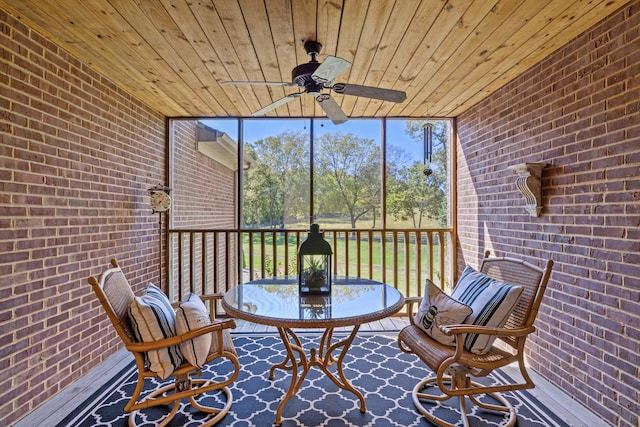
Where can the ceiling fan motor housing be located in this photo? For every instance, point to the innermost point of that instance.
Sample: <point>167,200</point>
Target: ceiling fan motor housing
<point>301,75</point>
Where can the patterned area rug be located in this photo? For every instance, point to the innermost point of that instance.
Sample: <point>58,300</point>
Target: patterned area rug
<point>374,365</point>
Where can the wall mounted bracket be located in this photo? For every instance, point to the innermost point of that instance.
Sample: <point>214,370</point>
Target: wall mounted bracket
<point>529,182</point>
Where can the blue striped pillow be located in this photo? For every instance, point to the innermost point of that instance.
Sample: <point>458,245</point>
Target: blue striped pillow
<point>153,318</point>
<point>491,301</point>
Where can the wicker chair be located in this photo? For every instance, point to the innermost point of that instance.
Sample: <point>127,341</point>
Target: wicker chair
<point>454,366</point>
<point>115,295</point>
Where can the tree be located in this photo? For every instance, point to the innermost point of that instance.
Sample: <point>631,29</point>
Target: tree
<point>276,186</point>
<point>347,168</point>
<point>412,194</point>
<point>347,179</point>
<point>399,204</point>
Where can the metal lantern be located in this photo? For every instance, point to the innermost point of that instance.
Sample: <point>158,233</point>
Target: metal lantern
<point>314,307</point>
<point>314,264</point>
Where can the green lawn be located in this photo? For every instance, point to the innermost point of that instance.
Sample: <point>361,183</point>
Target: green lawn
<point>395,258</point>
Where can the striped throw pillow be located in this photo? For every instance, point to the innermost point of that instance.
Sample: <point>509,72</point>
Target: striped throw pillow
<point>491,301</point>
<point>152,319</point>
<point>190,315</point>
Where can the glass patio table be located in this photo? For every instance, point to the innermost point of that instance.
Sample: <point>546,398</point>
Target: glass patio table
<point>277,302</point>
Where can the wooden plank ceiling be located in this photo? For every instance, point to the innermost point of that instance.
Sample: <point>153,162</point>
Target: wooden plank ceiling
<point>174,55</point>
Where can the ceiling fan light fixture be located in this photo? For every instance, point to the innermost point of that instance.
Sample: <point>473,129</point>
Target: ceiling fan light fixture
<point>313,89</point>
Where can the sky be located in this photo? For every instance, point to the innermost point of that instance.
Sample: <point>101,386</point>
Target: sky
<point>256,129</point>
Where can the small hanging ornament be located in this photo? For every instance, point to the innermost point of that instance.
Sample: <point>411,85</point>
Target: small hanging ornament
<point>428,147</point>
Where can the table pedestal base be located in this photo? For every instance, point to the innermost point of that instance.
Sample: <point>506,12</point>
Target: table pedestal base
<point>323,357</point>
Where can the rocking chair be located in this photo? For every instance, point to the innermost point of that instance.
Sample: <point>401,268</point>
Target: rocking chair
<point>455,364</point>
<point>116,296</point>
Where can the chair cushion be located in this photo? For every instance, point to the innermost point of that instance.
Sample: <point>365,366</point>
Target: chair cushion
<point>153,318</point>
<point>491,301</point>
<point>437,308</point>
<point>192,314</point>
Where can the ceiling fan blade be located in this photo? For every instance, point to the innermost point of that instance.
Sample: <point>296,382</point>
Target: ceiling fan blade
<point>370,92</point>
<point>260,83</point>
<point>329,69</point>
<point>276,104</point>
<point>331,108</point>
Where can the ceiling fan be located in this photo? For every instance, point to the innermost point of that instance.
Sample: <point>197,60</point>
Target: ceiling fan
<point>314,76</point>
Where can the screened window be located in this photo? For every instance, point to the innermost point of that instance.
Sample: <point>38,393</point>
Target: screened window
<point>363,174</point>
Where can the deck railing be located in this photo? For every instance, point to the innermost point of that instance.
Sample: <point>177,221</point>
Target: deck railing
<point>214,260</point>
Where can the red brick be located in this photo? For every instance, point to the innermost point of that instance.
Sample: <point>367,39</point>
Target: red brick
<point>54,130</point>
<point>588,124</point>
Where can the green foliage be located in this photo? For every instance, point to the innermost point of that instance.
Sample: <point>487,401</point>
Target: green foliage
<point>314,265</point>
<point>269,268</point>
<point>412,194</point>
<point>276,187</point>
<point>348,176</point>
<point>347,180</point>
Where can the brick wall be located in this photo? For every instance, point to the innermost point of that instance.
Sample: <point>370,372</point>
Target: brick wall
<point>578,111</point>
<point>204,190</point>
<point>204,193</point>
<point>77,155</point>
